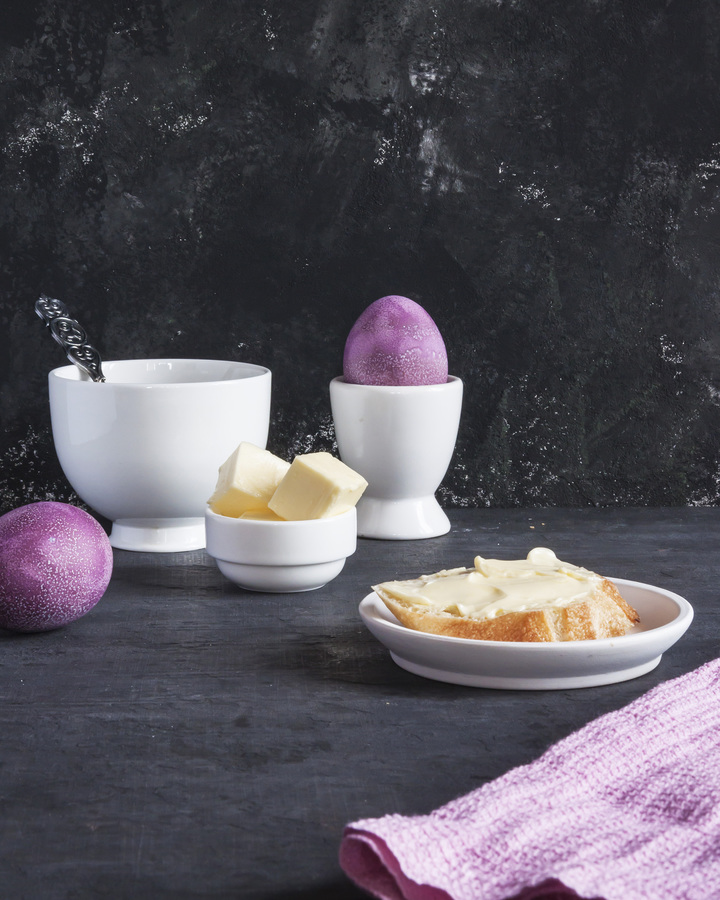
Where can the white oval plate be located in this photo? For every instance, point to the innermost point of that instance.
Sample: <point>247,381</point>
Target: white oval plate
<point>513,665</point>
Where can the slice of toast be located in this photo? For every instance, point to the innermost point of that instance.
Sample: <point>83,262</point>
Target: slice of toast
<point>537,599</point>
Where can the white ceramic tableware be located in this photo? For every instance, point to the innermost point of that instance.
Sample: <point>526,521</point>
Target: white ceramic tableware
<point>510,665</point>
<point>143,448</point>
<point>401,440</point>
<point>281,557</point>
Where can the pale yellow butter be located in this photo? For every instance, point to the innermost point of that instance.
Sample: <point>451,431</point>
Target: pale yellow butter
<point>247,480</point>
<point>316,486</point>
<point>495,586</point>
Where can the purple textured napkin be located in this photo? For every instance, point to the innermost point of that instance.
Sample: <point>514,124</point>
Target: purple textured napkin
<point>626,808</point>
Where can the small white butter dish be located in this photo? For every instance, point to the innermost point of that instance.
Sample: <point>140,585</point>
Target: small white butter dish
<point>281,557</point>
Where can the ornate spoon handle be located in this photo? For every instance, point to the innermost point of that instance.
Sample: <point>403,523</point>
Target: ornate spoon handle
<point>71,336</point>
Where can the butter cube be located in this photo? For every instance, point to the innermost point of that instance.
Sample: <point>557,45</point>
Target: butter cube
<point>317,486</point>
<point>247,480</point>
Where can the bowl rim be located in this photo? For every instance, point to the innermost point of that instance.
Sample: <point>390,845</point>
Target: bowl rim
<point>287,524</point>
<point>71,374</point>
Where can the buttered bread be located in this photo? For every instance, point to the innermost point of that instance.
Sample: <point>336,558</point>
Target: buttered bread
<point>539,598</point>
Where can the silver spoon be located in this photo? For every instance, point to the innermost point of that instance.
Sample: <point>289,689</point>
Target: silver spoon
<point>71,336</point>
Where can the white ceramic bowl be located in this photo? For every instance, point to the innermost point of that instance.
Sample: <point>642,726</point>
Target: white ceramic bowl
<point>281,557</point>
<point>401,440</point>
<point>143,448</point>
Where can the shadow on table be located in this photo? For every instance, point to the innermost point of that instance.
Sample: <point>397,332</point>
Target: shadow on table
<point>552,889</point>
<point>338,890</point>
<point>347,655</point>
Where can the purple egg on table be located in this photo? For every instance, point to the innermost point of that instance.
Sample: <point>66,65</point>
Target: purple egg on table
<point>395,342</point>
<point>55,564</point>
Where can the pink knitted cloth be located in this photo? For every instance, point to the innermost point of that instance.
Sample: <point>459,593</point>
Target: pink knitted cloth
<point>626,808</point>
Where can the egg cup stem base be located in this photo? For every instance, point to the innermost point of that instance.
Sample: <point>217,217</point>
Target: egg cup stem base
<point>401,519</point>
<point>158,535</point>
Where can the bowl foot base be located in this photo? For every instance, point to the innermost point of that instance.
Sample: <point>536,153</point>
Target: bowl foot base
<point>158,535</point>
<point>401,520</point>
<point>281,579</point>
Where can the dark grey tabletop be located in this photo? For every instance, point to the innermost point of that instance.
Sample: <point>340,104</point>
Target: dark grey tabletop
<point>187,739</point>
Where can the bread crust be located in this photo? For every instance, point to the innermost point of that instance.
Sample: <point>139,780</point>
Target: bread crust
<point>605,613</point>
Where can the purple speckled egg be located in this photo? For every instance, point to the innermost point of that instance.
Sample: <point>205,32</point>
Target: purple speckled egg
<point>395,342</point>
<point>55,564</point>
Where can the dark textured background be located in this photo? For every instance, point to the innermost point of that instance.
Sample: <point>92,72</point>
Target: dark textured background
<point>240,179</point>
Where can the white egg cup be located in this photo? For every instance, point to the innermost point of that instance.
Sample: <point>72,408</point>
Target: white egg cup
<point>401,440</point>
<point>143,448</point>
<point>281,557</point>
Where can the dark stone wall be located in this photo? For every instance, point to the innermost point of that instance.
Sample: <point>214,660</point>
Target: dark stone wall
<point>241,179</point>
